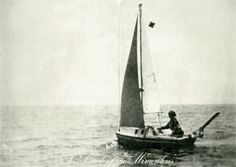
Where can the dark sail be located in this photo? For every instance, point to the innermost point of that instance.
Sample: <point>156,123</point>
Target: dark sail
<point>131,106</point>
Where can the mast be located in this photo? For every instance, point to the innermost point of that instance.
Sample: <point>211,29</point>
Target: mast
<point>140,45</point>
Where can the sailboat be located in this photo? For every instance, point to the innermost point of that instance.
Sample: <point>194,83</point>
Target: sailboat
<point>137,95</point>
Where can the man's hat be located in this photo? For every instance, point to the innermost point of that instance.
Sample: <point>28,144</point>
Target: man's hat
<point>172,113</point>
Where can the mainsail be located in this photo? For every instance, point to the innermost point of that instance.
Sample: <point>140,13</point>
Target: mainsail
<point>150,95</point>
<point>131,104</point>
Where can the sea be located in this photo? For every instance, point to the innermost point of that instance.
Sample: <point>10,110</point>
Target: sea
<point>71,136</point>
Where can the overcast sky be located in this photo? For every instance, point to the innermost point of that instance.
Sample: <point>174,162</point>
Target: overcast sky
<point>60,52</point>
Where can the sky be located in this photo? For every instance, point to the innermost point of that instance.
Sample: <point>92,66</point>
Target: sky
<point>59,52</point>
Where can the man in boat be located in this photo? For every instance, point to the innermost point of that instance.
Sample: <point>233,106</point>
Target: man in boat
<point>173,124</point>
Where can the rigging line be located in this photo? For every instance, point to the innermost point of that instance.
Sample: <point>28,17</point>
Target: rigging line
<point>119,49</point>
<point>118,54</point>
<point>159,116</point>
<point>154,113</point>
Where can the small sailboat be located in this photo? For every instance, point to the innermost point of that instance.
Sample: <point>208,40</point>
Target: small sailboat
<point>138,98</point>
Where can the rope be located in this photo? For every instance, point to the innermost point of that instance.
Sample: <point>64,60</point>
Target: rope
<point>159,116</point>
<point>118,55</point>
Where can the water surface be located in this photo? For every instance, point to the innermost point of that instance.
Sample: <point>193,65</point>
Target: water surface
<point>84,136</point>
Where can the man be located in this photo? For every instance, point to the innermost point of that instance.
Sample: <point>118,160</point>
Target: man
<point>173,124</point>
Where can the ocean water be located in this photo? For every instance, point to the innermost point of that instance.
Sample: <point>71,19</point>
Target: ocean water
<point>84,136</point>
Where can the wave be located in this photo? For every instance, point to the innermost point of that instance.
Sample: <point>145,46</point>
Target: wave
<point>21,140</point>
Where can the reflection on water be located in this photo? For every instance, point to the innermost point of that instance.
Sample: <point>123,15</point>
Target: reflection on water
<point>84,136</point>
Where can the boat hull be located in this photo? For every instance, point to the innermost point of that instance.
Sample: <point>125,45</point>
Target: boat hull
<point>141,142</point>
